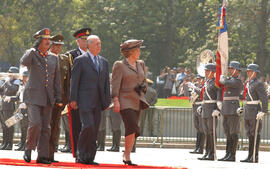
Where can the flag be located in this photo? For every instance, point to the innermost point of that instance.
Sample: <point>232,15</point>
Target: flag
<point>222,50</point>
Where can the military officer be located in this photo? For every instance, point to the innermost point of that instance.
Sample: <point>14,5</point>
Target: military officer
<point>75,123</point>
<point>197,118</point>
<point>42,91</point>
<point>254,93</point>
<point>209,109</point>
<point>228,105</point>
<point>7,90</point>
<point>56,48</point>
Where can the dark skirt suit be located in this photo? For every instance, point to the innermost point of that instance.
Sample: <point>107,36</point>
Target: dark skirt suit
<point>124,80</point>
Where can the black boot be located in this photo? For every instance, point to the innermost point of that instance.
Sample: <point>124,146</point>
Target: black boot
<point>198,139</point>
<point>210,155</point>
<point>250,149</point>
<point>207,151</point>
<point>4,143</point>
<point>101,140</point>
<point>10,134</point>
<point>67,147</point>
<point>257,151</point>
<point>27,156</point>
<point>116,141</point>
<point>201,143</point>
<point>21,147</point>
<point>228,148</point>
<point>234,143</point>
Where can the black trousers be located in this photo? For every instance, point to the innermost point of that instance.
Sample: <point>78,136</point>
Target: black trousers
<point>88,136</point>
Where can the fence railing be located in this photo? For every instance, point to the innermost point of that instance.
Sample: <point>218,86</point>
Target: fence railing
<point>175,125</point>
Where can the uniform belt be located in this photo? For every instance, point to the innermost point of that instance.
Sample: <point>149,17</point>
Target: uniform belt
<point>252,102</point>
<point>197,103</point>
<point>209,101</point>
<point>231,98</point>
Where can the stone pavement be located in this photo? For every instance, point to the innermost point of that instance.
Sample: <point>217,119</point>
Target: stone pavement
<point>158,157</point>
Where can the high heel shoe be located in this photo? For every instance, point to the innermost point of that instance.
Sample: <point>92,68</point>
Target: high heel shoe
<point>129,163</point>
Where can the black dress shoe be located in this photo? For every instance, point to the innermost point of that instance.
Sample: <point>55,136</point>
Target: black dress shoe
<point>9,146</point>
<point>53,161</point>
<point>226,156</point>
<point>43,161</point>
<point>3,146</point>
<point>92,163</point>
<point>21,147</point>
<point>129,163</point>
<point>27,156</point>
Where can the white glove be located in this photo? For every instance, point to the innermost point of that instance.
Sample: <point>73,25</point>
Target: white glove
<point>199,110</point>
<point>239,111</point>
<point>222,79</point>
<point>260,115</point>
<point>22,106</point>
<point>215,113</point>
<point>219,105</point>
<point>7,99</point>
<point>191,85</point>
<point>7,79</point>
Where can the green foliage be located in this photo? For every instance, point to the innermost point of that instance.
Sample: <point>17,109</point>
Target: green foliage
<point>175,32</point>
<point>173,103</point>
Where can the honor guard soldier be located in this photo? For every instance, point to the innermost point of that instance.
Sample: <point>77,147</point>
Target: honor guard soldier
<point>228,105</point>
<point>254,93</point>
<point>42,92</point>
<point>75,123</point>
<point>23,108</point>
<point>7,90</point>
<point>196,102</point>
<point>56,48</point>
<point>209,110</point>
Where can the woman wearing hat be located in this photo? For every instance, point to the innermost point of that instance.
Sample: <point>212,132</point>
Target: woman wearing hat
<point>128,89</point>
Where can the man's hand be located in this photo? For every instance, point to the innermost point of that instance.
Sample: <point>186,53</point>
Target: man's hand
<point>59,104</point>
<point>260,115</point>
<point>215,113</point>
<point>219,105</point>
<point>199,110</point>
<point>116,105</point>
<point>222,79</point>
<point>239,111</point>
<point>7,99</point>
<point>73,105</point>
<point>22,106</point>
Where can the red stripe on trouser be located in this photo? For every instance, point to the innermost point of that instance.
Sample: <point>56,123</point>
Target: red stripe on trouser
<point>71,133</point>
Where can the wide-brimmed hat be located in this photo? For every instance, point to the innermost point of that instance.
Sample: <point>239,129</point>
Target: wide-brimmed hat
<point>131,44</point>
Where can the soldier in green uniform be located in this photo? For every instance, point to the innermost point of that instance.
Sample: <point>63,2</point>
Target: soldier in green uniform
<point>75,122</point>
<point>56,47</point>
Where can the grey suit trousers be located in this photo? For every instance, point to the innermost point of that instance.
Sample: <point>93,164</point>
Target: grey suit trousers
<point>39,129</point>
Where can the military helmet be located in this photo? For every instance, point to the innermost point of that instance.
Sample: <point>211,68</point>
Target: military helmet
<point>13,69</point>
<point>235,65</point>
<point>253,67</point>
<point>25,73</point>
<point>210,66</point>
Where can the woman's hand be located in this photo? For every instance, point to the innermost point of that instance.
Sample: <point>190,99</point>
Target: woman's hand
<point>116,106</point>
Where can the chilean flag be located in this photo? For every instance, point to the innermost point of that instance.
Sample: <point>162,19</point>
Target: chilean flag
<point>223,49</point>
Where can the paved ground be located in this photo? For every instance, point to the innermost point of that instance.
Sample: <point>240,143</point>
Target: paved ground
<point>159,157</point>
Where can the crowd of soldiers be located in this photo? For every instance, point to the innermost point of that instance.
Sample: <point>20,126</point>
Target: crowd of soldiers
<point>209,101</point>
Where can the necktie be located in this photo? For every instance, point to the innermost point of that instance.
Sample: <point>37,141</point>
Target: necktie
<point>96,63</point>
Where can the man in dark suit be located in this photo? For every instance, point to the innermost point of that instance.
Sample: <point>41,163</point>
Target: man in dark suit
<point>75,122</point>
<point>90,93</point>
<point>42,91</point>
